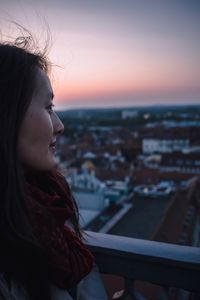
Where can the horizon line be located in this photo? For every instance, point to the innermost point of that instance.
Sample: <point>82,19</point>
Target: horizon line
<point>64,108</point>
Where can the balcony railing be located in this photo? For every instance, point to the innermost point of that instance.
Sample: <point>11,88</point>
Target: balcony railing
<point>134,259</point>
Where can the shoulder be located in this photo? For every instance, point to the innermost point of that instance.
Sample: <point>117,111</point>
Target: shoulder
<point>4,290</point>
<point>13,292</point>
<point>58,293</point>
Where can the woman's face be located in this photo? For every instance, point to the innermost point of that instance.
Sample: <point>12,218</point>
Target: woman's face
<point>40,128</point>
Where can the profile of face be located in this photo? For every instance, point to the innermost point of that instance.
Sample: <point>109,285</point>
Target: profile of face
<point>40,128</point>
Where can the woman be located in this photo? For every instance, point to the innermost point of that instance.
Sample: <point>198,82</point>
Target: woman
<point>42,255</point>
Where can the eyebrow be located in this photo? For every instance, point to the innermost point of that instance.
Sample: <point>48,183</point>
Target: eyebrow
<point>51,95</point>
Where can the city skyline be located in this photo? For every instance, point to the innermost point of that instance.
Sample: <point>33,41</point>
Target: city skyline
<point>116,53</point>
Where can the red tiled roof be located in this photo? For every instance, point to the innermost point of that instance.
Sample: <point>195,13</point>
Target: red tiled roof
<point>172,224</point>
<point>150,176</point>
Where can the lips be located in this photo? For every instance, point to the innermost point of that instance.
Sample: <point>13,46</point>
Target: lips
<point>52,147</point>
<point>53,144</point>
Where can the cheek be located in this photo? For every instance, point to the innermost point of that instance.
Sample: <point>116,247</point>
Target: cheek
<point>36,133</point>
<point>34,140</point>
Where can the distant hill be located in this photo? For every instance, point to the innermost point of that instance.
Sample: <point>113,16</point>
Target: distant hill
<point>112,113</point>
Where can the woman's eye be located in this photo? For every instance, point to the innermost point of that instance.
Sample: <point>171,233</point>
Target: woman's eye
<point>50,108</point>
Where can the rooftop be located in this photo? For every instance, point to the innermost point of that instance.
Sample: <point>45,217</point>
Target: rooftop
<point>142,218</point>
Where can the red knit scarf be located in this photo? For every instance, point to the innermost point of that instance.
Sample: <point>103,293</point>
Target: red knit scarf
<point>51,206</point>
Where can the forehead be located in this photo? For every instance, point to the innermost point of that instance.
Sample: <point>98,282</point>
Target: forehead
<point>43,86</point>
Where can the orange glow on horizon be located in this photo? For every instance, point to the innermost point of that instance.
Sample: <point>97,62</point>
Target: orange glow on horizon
<point>134,76</point>
<point>72,90</point>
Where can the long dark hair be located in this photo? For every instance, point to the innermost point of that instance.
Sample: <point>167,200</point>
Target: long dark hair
<point>21,255</point>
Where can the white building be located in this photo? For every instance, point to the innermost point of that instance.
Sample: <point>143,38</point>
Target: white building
<point>150,145</point>
<point>88,192</point>
<point>126,114</point>
<point>85,179</point>
<point>88,200</point>
<point>90,205</point>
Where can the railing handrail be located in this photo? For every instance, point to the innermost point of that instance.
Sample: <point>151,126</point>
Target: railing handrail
<point>156,262</point>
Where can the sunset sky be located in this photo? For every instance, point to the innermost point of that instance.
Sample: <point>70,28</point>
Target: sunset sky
<point>116,52</point>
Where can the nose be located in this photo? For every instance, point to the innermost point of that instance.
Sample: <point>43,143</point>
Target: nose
<point>58,126</point>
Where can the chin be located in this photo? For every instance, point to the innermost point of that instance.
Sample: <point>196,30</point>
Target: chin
<point>42,166</point>
<point>49,166</point>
